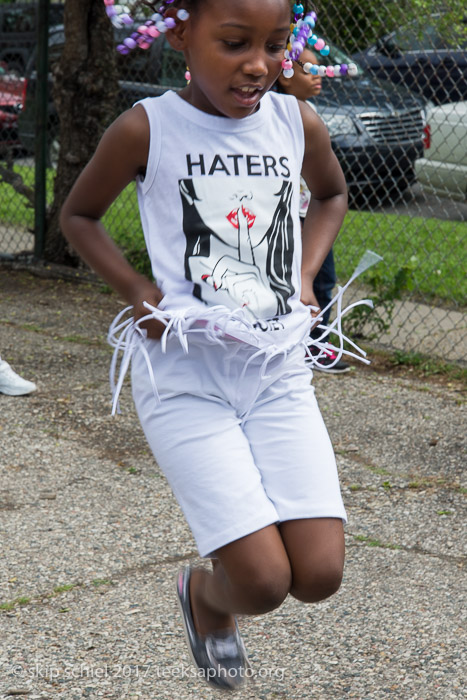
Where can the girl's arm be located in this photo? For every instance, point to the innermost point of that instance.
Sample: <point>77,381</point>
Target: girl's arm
<point>120,156</point>
<point>328,204</point>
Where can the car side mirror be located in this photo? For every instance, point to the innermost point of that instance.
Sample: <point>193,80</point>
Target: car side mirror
<point>386,47</point>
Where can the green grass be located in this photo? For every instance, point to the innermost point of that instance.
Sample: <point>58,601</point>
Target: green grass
<point>11,604</point>
<point>432,248</point>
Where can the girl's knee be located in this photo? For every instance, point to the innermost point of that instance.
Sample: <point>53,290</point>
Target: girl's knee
<point>264,589</point>
<point>317,584</point>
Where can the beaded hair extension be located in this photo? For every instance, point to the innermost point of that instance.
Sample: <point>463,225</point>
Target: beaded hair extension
<point>302,36</point>
<point>152,28</point>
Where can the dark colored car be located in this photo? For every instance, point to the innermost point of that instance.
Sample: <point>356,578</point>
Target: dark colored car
<point>425,59</point>
<point>11,102</point>
<point>376,133</point>
<point>18,25</point>
<point>140,76</point>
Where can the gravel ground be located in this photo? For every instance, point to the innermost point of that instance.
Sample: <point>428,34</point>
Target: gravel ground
<point>91,537</point>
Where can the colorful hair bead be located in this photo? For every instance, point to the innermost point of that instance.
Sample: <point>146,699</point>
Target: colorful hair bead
<point>301,31</point>
<point>146,33</point>
<point>319,44</point>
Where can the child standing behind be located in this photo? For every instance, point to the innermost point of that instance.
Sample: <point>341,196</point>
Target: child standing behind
<point>304,86</point>
<point>218,372</point>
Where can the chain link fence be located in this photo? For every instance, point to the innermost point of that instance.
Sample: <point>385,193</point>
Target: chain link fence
<point>399,130</point>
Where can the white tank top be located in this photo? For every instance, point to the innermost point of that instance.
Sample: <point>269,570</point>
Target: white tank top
<point>220,213</point>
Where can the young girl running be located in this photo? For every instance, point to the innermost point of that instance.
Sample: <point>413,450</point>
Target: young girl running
<point>218,372</point>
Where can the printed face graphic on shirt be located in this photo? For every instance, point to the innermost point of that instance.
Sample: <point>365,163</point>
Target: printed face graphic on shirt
<point>239,242</point>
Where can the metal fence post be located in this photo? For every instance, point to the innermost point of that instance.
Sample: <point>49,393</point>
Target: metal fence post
<point>40,194</point>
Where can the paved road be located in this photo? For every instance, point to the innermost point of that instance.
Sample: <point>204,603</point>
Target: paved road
<point>417,202</point>
<point>92,537</point>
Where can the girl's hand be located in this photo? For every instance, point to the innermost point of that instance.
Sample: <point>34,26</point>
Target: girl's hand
<point>148,292</point>
<point>308,298</point>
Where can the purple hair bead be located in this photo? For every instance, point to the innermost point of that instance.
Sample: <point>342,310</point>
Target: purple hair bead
<point>344,68</point>
<point>130,43</point>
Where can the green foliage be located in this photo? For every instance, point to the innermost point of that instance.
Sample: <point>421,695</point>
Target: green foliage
<point>433,248</point>
<point>354,25</point>
<point>123,223</point>
<point>385,291</point>
<point>423,255</point>
<point>428,366</point>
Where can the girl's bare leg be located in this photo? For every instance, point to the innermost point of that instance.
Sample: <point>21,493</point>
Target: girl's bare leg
<point>254,574</point>
<point>316,551</point>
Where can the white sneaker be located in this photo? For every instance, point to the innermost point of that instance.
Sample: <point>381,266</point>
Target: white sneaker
<point>12,384</point>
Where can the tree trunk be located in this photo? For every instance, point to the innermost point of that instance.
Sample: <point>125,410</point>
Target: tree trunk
<point>85,90</point>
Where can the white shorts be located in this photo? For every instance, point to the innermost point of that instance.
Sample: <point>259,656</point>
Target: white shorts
<point>240,450</point>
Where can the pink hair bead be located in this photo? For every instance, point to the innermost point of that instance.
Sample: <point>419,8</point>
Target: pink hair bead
<point>320,44</point>
<point>330,71</point>
<point>287,63</point>
<point>142,29</point>
<point>108,2</point>
<point>152,31</point>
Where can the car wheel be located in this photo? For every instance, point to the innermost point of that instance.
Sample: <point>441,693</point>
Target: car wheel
<point>388,192</point>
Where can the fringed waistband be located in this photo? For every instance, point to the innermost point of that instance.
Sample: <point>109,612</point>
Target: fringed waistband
<point>217,324</point>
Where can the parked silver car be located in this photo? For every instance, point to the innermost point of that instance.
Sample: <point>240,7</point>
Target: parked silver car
<point>443,169</point>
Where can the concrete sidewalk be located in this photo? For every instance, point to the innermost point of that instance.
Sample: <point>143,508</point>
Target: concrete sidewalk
<point>92,538</point>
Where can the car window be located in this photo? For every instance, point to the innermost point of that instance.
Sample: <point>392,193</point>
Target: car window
<point>56,14</point>
<point>19,20</point>
<point>427,38</point>
<point>337,56</point>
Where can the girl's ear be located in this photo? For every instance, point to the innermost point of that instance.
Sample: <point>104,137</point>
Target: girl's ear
<point>178,35</point>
